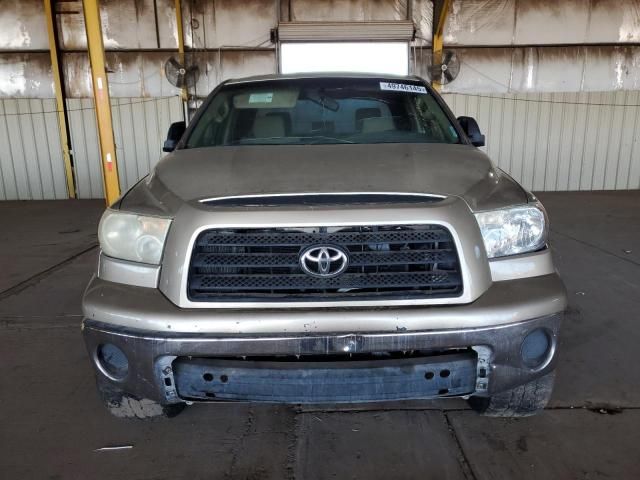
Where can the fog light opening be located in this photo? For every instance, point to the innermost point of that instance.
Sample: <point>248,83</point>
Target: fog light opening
<point>536,348</point>
<point>112,361</point>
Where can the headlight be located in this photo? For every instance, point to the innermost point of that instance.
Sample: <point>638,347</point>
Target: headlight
<point>133,237</point>
<point>513,230</point>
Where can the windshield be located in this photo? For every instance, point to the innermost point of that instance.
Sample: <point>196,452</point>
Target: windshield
<point>314,111</point>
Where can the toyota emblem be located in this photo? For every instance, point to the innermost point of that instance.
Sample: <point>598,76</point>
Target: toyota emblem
<point>324,261</point>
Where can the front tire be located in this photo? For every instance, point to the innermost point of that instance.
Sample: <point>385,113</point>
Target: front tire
<point>522,401</point>
<point>123,405</point>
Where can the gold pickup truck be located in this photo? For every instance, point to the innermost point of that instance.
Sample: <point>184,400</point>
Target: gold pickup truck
<point>324,239</point>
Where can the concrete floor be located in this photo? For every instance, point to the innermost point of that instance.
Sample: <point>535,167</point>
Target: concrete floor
<point>51,422</point>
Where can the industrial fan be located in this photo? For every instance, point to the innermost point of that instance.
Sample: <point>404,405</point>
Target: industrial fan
<point>180,75</point>
<point>447,70</point>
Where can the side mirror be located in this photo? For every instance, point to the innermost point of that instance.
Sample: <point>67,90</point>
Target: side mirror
<point>471,128</point>
<point>173,136</point>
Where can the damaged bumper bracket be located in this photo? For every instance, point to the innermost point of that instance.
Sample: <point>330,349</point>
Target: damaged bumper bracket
<point>322,382</point>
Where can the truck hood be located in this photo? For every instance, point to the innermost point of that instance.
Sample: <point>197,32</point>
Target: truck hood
<point>449,170</point>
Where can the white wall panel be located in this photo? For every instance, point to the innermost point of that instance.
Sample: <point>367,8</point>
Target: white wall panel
<point>31,166</point>
<point>140,126</point>
<point>560,141</point>
<point>85,149</point>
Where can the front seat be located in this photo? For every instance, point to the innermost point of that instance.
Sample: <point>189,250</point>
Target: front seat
<point>364,113</point>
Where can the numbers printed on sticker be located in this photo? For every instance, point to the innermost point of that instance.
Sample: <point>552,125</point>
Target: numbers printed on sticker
<point>402,87</point>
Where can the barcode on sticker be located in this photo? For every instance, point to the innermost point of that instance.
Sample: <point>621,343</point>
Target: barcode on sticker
<point>402,87</point>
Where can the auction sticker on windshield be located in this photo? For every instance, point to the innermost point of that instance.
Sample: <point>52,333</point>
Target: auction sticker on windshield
<point>402,87</point>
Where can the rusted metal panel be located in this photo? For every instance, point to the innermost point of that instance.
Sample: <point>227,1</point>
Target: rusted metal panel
<point>480,22</point>
<point>422,16</point>
<point>560,141</point>
<point>347,10</point>
<point>147,24</point>
<point>611,68</point>
<point>22,25</point>
<point>216,67</point>
<point>541,69</point>
<point>166,22</point>
<point>126,24</point>
<point>229,23</point>
<point>546,22</point>
<point>542,22</point>
<point>141,74</point>
<point>131,74</point>
<point>481,69</point>
<point>577,21</point>
<point>71,28</point>
<point>26,75</point>
<point>140,126</point>
<point>77,75</point>
<point>31,165</point>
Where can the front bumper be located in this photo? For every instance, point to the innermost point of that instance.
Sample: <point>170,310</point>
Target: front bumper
<point>170,350</point>
<point>169,368</point>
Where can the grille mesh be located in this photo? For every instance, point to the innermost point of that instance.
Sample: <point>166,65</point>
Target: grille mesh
<point>385,262</point>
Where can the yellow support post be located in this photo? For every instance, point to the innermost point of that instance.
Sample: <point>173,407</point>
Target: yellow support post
<point>181,57</point>
<point>58,86</point>
<point>439,18</point>
<point>101,100</point>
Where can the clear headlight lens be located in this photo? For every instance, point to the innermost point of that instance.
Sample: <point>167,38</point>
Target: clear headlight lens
<point>133,237</point>
<point>513,230</point>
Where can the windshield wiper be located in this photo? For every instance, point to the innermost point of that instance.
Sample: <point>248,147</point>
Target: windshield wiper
<point>250,141</point>
<point>310,140</point>
<point>322,137</point>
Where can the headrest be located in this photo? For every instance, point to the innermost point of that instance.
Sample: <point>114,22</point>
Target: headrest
<point>363,113</point>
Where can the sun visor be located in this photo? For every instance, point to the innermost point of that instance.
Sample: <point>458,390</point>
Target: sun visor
<point>272,98</point>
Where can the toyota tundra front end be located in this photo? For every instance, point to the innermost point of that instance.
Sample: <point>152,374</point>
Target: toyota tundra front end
<point>324,239</point>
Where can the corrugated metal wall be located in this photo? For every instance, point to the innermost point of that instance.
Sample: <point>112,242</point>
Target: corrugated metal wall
<point>31,166</point>
<point>560,141</point>
<point>557,141</point>
<point>140,126</point>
